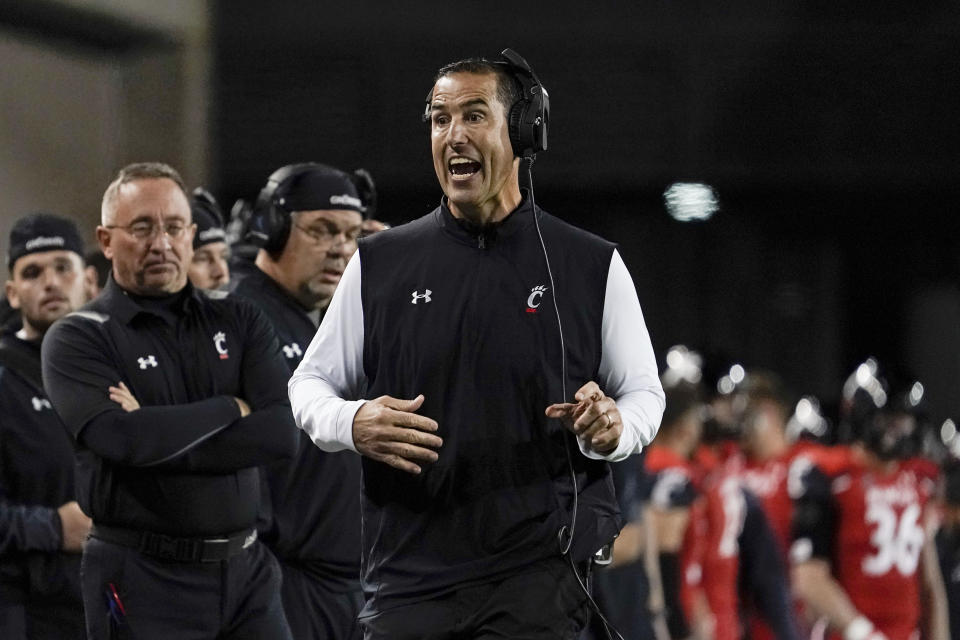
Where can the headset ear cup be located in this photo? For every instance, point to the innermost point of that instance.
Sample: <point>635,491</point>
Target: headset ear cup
<point>515,128</point>
<point>278,229</point>
<point>262,226</point>
<point>540,110</point>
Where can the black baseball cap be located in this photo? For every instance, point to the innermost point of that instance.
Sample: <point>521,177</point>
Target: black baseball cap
<point>38,232</point>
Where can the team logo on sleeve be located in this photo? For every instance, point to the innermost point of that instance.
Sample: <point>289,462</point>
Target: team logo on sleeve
<point>39,404</point>
<point>535,298</point>
<point>292,350</point>
<point>148,361</point>
<point>218,341</point>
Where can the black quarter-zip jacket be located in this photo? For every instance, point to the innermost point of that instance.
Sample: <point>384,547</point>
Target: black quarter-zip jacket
<point>314,518</point>
<point>466,317</point>
<point>36,477</point>
<point>185,462</point>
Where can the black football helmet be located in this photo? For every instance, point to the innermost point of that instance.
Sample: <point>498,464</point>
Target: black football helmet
<point>726,382</point>
<point>888,418</point>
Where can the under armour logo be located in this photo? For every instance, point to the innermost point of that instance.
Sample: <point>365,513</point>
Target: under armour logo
<point>418,296</point>
<point>292,350</point>
<point>39,404</point>
<point>149,361</point>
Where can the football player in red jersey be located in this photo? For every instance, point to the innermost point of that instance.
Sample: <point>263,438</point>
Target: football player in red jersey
<point>740,560</point>
<point>948,542</point>
<point>772,451</point>
<point>861,558</point>
<point>671,493</point>
<point>720,532</point>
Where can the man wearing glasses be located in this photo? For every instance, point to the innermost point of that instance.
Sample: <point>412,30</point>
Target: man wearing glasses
<point>307,221</point>
<point>174,398</point>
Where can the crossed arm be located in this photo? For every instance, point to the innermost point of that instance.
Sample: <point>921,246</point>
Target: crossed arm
<point>214,435</point>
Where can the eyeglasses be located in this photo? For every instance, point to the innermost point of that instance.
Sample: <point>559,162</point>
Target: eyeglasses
<point>143,230</point>
<point>322,235</point>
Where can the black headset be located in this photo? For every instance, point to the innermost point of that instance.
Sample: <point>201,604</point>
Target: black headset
<point>269,225</point>
<point>270,222</point>
<point>529,115</point>
<point>367,190</point>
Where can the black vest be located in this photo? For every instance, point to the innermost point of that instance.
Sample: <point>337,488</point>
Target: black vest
<point>466,317</point>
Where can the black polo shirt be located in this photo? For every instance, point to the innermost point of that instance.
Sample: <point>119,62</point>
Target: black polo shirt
<point>316,529</point>
<point>185,462</point>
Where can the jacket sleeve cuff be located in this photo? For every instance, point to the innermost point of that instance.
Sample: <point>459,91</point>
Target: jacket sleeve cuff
<point>42,529</point>
<point>626,447</point>
<point>348,410</point>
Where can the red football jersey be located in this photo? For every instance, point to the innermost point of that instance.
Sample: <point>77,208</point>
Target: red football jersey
<point>878,542</point>
<point>713,563</point>
<point>725,509</point>
<point>774,483</point>
<point>709,562</point>
<point>771,482</point>
<point>675,485</point>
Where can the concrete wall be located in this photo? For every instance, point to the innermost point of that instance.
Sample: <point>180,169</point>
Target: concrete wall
<point>75,107</point>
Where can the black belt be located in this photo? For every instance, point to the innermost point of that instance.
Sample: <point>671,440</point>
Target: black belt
<point>175,548</point>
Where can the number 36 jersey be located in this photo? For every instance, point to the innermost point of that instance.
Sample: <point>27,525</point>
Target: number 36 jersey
<point>875,520</point>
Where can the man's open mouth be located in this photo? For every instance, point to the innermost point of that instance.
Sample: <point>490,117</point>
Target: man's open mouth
<point>463,166</point>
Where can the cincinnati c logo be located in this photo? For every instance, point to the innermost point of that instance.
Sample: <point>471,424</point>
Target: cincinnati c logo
<point>535,298</point>
<point>218,341</point>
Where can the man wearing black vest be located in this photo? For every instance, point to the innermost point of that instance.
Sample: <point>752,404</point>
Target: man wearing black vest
<point>41,525</point>
<point>456,359</point>
<point>309,217</point>
<point>175,398</point>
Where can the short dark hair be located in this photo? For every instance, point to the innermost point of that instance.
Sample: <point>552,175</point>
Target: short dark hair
<point>508,89</point>
<point>139,171</point>
<point>101,263</point>
<point>680,399</point>
<point>766,386</point>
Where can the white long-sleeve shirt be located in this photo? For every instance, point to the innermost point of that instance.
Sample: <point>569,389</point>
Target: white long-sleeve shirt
<point>327,388</point>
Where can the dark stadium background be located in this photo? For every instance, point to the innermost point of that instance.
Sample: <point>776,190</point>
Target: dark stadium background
<point>827,129</point>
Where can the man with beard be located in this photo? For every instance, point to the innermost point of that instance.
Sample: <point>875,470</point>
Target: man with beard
<point>308,219</point>
<point>41,525</point>
<point>174,397</point>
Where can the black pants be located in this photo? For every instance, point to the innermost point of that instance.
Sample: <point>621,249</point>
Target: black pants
<point>622,595</point>
<point>41,621</point>
<point>317,608</point>
<point>541,602</point>
<point>160,600</point>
